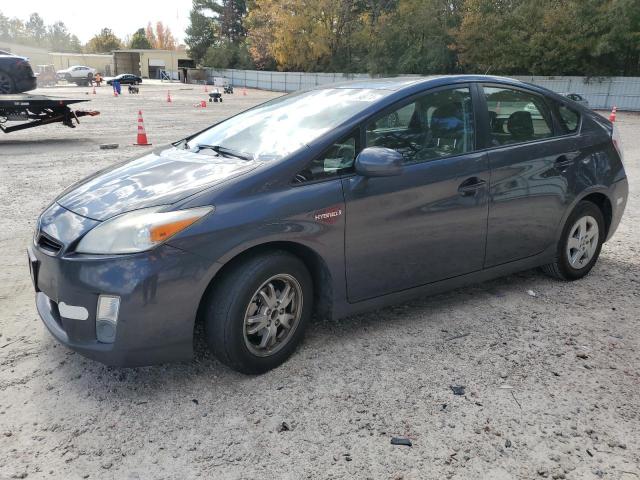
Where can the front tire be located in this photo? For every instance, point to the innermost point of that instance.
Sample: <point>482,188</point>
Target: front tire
<point>580,243</point>
<point>256,314</point>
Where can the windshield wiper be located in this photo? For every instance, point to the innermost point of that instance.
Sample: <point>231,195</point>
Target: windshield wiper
<point>183,144</point>
<point>219,149</point>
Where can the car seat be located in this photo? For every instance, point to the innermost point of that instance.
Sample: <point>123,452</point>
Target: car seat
<point>447,128</point>
<point>520,125</point>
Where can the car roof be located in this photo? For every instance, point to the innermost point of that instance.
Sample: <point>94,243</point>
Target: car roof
<point>399,83</point>
<point>397,87</point>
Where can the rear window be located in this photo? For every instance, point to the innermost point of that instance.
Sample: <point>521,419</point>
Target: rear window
<point>569,119</point>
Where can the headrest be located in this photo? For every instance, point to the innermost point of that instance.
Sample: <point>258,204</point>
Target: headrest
<point>520,124</point>
<point>447,122</point>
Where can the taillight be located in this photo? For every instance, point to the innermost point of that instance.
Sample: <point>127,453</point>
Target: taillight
<point>22,64</point>
<point>617,142</point>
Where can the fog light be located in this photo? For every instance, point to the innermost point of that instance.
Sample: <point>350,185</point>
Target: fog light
<point>107,318</point>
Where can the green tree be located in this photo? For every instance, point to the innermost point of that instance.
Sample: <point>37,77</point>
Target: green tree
<point>16,31</point>
<point>231,20</point>
<point>550,37</point>
<point>228,54</point>
<point>308,36</point>
<point>609,36</point>
<point>202,29</point>
<point>105,41</point>
<point>139,40</point>
<point>493,38</point>
<point>217,34</point>
<point>4,27</point>
<point>35,28</point>
<point>60,40</point>
<point>416,37</point>
<point>56,37</point>
<point>260,35</point>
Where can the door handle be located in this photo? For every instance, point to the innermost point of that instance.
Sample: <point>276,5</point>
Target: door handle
<point>470,186</point>
<point>562,162</point>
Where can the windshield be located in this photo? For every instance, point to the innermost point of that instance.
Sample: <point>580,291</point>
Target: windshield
<point>277,128</point>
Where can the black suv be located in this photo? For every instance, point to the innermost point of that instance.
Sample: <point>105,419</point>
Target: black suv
<point>16,75</point>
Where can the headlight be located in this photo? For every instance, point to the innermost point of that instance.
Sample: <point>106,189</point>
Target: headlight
<point>139,230</point>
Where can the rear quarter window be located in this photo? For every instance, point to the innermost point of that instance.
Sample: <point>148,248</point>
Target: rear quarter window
<point>569,119</point>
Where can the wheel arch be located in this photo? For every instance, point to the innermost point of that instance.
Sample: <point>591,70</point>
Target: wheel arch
<point>604,204</point>
<point>597,195</point>
<point>317,266</point>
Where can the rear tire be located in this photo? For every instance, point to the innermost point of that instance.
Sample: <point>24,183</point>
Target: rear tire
<point>580,243</point>
<point>251,305</point>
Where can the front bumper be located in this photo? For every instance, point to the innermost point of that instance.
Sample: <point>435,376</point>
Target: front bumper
<point>159,292</point>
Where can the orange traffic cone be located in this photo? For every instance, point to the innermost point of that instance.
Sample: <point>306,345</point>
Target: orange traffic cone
<point>142,134</point>
<point>203,103</point>
<point>612,117</point>
<point>169,97</point>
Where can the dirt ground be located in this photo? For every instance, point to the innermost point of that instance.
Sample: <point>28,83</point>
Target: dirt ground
<point>552,381</point>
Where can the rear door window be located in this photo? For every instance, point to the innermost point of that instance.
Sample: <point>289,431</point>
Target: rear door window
<point>516,116</point>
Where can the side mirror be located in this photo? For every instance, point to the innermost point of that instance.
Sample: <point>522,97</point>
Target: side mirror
<point>378,162</point>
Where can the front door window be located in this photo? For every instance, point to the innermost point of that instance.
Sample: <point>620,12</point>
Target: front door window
<point>436,125</point>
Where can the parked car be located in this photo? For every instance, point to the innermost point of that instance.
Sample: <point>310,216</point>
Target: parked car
<point>576,97</point>
<point>126,79</point>
<point>78,74</point>
<point>330,201</point>
<point>16,75</point>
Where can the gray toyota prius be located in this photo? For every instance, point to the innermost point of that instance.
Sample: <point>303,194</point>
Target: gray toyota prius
<point>325,202</point>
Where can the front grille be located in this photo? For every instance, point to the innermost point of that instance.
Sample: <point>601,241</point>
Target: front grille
<point>48,244</point>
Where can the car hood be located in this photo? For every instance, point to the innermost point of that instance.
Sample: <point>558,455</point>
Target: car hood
<point>160,178</point>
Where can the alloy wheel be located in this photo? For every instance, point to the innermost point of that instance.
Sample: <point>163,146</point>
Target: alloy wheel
<point>583,242</point>
<point>273,315</point>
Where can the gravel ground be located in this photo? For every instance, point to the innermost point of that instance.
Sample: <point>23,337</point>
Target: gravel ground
<point>552,381</point>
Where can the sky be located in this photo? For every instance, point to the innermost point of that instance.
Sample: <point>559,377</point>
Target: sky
<point>86,18</point>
